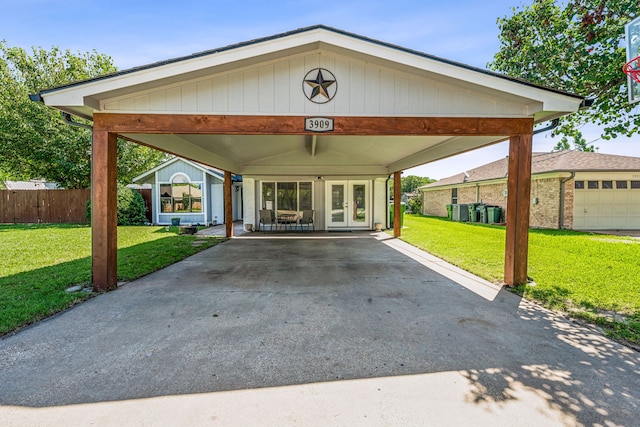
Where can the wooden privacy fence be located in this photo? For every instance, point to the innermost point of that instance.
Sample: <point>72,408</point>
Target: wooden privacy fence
<point>43,206</point>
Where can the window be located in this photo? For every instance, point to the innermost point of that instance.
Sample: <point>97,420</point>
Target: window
<point>621,184</point>
<point>287,196</point>
<point>181,196</point>
<point>578,185</point>
<point>454,196</point>
<point>607,184</point>
<point>635,184</point>
<point>592,185</point>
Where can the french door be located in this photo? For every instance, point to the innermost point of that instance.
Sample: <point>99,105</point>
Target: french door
<point>348,204</point>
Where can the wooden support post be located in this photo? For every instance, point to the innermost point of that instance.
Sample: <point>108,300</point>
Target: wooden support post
<point>104,215</point>
<point>397,198</point>
<point>518,210</point>
<point>228,204</point>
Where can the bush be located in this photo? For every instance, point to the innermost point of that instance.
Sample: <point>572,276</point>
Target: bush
<point>131,208</point>
<point>415,204</point>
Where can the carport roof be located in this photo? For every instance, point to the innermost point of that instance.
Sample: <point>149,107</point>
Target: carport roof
<point>294,32</point>
<point>264,78</point>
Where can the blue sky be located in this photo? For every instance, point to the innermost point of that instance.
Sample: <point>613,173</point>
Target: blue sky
<point>138,32</point>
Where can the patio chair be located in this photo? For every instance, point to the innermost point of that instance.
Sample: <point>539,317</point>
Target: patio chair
<point>307,218</point>
<point>266,217</point>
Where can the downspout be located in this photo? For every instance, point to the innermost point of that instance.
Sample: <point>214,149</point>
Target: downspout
<point>66,117</point>
<point>562,183</point>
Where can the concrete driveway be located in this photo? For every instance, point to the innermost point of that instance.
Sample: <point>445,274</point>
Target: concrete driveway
<point>334,329</point>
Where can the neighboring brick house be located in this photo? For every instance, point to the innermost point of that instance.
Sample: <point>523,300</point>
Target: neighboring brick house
<point>593,191</point>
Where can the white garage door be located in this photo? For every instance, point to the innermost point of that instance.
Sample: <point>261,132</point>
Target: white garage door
<point>607,205</point>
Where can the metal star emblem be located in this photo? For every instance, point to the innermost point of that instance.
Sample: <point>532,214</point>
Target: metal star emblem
<point>320,86</point>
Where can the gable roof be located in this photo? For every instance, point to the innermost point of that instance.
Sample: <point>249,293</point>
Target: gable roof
<point>296,32</point>
<point>216,173</point>
<point>559,161</point>
<point>265,78</point>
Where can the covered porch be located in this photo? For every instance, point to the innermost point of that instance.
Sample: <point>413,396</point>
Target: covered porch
<point>317,107</point>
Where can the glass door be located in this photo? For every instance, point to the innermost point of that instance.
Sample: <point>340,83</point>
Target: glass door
<point>348,204</point>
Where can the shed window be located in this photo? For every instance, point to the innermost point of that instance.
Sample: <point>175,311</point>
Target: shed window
<point>607,184</point>
<point>621,184</point>
<point>635,184</point>
<point>579,185</point>
<point>180,195</point>
<point>592,185</point>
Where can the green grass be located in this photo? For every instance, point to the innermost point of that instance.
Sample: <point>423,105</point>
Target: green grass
<point>41,261</point>
<point>590,276</point>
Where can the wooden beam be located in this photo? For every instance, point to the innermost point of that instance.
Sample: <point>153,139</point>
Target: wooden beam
<point>104,218</point>
<point>518,210</point>
<point>228,204</point>
<point>294,125</point>
<point>397,199</point>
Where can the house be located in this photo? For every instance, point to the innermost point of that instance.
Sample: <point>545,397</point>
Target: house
<point>34,184</point>
<point>569,189</point>
<point>316,117</point>
<point>191,191</point>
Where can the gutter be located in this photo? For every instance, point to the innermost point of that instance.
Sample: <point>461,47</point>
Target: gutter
<point>561,216</point>
<point>554,124</point>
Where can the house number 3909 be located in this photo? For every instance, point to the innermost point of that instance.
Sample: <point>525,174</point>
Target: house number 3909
<point>318,124</point>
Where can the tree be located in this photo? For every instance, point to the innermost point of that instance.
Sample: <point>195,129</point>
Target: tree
<point>34,142</point>
<point>574,46</point>
<point>412,182</point>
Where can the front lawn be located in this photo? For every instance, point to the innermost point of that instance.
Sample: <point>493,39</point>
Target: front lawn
<point>41,261</point>
<point>590,276</point>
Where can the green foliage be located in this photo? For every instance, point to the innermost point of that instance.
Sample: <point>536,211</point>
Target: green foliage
<point>41,261</point>
<point>575,46</point>
<point>411,183</point>
<point>34,141</point>
<point>414,204</point>
<point>579,143</point>
<point>131,207</point>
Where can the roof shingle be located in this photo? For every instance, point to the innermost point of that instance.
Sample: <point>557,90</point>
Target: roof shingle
<point>559,161</point>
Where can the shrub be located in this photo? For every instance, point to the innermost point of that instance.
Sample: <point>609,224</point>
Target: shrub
<point>131,208</point>
<point>414,204</point>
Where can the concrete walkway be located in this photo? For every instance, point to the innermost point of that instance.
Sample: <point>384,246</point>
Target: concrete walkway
<point>348,329</point>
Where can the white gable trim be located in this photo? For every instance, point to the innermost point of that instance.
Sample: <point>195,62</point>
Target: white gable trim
<point>84,98</point>
<point>172,161</point>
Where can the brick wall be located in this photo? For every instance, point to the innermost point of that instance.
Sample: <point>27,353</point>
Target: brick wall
<point>544,213</point>
<point>545,203</point>
<point>435,202</point>
<point>568,204</point>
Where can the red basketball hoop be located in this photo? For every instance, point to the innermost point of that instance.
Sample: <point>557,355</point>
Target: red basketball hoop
<point>632,69</point>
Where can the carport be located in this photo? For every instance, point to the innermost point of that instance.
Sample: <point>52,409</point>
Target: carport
<point>317,109</point>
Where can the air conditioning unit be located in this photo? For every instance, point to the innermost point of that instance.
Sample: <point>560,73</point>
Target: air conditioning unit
<point>460,213</point>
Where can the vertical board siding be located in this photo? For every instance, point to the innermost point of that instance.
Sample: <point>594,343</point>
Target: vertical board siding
<point>277,88</point>
<point>43,206</point>
<point>165,174</point>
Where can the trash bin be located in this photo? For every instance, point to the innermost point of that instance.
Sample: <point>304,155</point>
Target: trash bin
<point>494,213</point>
<point>483,214</point>
<point>474,213</point>
<point>449,211</point>
<point>403,208</point>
